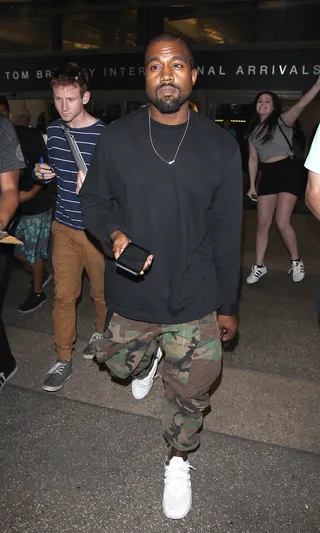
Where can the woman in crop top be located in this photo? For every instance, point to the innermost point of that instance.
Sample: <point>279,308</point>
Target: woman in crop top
<point>270,138</point>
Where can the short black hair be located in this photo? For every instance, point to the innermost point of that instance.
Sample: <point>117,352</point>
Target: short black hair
<point>4,102</point>
<point>172,37</point>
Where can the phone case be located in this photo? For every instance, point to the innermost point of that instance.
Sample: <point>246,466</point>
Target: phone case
<point>132,259</point>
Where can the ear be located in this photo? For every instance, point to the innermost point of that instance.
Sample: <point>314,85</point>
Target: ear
<point>86,97</point>
<point>194,75</point>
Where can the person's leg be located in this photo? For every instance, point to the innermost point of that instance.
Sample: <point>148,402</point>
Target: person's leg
<point>37,275</point>
<point>8,364</point>
<point>41,243</point>
<point>22,259</point>
<point>37,272</point>
<point>265,211</point>
<point>93,260</point>
<point>192,363</point>
<point>128,346</point>
<point>67,269</point>
<point>285,205</point>
<point>34,234</point>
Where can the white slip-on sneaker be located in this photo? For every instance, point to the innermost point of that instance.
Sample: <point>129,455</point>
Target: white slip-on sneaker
<point>141,387</point>
<point>256,273</point>
<point>297,271</point>
<point>177,495</point>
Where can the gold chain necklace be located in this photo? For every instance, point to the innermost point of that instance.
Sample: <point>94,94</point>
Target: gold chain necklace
<point>179,145</point>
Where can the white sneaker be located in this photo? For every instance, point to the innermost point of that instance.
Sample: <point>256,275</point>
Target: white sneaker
<point>297,271</point>
<point>256,273</point>
<point>141,387</point>
<point>177,495</point>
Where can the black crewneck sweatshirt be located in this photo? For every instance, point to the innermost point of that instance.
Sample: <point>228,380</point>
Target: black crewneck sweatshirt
<point>187,214</point>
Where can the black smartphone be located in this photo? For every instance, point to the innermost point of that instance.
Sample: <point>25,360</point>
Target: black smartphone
<point>133,259</point>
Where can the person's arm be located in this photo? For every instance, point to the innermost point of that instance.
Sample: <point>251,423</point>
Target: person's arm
<point>313,193</point>
<point>9,197</point>
<point>290,116</point>
<point>312,163</point>
<point>11,161</point>
<point>226,229</point>
<point>25,196</point>
<point>253,168</point>
<point>101,211</point>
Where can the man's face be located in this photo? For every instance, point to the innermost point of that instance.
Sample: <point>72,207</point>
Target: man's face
<point>4,111</point>
<point>69,102</point>
<point>169,76</point>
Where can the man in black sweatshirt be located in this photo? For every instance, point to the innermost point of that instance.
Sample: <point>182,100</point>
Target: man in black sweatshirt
<point>169,180</point>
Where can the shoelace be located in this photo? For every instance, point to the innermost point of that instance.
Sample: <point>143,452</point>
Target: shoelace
<point>144,382</point>
<point>2,379</point>
<point>58,368</point>
<point>178,472</point>
<point>298,269</point>
<point>96,337</point>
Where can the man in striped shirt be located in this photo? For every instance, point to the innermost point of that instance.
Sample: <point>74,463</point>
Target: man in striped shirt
<point>73,249</point>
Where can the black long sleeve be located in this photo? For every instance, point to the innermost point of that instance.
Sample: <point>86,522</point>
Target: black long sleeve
<point>226,227</point>
<point>188,214</point>
<point>101,211</point>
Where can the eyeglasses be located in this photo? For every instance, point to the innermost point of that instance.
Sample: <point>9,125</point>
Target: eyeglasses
<point>69,73</point>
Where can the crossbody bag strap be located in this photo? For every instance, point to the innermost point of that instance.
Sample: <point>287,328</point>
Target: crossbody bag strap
<point>286,138</point>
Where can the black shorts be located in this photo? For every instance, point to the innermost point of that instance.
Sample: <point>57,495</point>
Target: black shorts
<point>280,176</point>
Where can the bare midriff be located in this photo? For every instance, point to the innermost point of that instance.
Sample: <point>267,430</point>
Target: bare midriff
<point>276,158</point>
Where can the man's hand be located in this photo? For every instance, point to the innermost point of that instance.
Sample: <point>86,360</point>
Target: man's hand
<point>80,179</point>
<point>120,241</point>
<point>228,326</point>
<point>43,172</point>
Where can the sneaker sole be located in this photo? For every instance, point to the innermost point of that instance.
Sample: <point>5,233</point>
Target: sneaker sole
<point>48,280</point>
<point>87,356</point>
<point>256,280</point>
<point>31,310</point>
<point>54,389</point>
<point>180,517</point>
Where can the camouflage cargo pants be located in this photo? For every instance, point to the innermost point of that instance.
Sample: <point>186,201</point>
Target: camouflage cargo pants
<point>192,362</point>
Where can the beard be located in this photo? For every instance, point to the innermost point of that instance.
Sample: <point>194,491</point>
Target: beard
<point>168,104</point>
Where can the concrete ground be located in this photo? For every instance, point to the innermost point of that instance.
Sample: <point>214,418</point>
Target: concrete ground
<point>90,458</point>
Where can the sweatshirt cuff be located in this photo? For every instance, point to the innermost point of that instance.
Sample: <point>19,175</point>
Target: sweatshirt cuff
<point>115,226</point>
<point>228,309</point>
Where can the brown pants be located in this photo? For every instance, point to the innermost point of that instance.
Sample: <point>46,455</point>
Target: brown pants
<point>72,252</point>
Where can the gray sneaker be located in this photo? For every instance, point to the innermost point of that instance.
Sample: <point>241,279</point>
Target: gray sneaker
<point>57,375</point>
<point>89,351</point>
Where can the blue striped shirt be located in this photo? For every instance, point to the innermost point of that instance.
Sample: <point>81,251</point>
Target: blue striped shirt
<point>68,210</point>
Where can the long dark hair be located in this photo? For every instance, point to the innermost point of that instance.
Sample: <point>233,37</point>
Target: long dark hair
<point>267,126</point>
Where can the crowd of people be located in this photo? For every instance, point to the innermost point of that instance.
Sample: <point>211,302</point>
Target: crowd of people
<point>183,304</point>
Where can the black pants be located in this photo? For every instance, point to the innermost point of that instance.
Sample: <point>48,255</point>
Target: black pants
<point>6,358</point>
